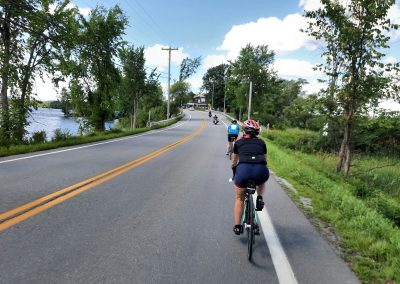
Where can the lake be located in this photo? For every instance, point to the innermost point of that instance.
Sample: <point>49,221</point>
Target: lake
<point>49,119</point>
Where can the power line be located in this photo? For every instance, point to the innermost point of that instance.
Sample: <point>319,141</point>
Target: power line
<point>151,18</point>
<point>145,20</point>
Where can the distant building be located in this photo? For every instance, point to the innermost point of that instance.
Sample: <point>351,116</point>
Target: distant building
<point>200,101</point>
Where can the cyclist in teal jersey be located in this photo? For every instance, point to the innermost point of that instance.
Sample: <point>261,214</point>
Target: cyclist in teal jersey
<point>233,133</point>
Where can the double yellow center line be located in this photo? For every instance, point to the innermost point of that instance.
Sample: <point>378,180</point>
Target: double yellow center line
<point>21,213</point>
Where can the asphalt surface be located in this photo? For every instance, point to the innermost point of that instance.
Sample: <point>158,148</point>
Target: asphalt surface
<point>168,220</point>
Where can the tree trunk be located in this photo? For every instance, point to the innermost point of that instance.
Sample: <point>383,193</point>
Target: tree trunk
<point>5,73</point>
<point>344,153</point>
<point>135,103</point>
<point>131,119</point>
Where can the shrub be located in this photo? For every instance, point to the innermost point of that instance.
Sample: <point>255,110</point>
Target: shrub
<point>38,137</point>
<point>60,135</point>
<point>297,139</point>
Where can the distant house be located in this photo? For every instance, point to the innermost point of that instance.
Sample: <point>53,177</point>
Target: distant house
<point>200,101</point>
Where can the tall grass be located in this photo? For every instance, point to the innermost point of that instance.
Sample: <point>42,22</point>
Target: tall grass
<point>369,238</point>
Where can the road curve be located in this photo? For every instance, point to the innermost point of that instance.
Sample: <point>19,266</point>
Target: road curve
<point>166,220</point>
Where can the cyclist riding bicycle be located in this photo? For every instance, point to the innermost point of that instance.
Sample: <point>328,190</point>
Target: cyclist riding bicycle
<point>233,133</point>
<point>215,119</point>
<point>249,162</point>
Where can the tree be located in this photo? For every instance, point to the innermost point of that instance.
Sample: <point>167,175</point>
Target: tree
<point>214,85</point>
<point>134,79</point>
<point>94,68</point>
<point>180,93</point>
<point>356,36</point>
<point>254,64</point>
<point>12,22</point>
<point>189,67</point>
<point>137,86</point>
<point>35,35</point>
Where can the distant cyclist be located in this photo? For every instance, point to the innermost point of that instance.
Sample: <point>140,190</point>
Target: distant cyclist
<point>215,119</point>
<point>249,162</point>
<point>233,133</point>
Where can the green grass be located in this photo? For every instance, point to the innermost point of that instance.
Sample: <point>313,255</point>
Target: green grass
<point>370,241</point>
<point>75,140</point>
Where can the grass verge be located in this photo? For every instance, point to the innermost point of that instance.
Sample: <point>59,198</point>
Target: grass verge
<point>76,140</point>
<point>369,241</point>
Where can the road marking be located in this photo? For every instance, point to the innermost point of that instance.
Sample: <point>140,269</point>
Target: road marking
<point>21,213</point>
<point>95,144</point>
<point>281,263</point>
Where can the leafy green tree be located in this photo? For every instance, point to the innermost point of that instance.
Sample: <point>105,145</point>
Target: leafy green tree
<point>303,112</point>
<point>35,36</point>
<point>134,80</point>
<point>214,85</point>
<point>254,64</point>
<point>139,90</point>
<point>179,92</point>
<point>65,101</point>
<point>94,68</point>
<point>356,38</point>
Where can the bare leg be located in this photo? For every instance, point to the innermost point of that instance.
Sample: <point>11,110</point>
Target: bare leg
<point>228,147</point>
<point>238,204</point>
<point>261,189</point>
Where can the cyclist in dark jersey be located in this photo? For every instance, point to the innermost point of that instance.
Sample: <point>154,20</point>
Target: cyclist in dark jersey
<point>249,162</point>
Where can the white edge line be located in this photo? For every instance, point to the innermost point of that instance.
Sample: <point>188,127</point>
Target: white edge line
<point>279,259</point>
<point>96,144</point>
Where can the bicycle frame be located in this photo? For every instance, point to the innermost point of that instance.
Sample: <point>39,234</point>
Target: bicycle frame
<point>249,217</point>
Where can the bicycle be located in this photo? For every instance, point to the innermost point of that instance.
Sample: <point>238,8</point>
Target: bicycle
<point>249,218</point>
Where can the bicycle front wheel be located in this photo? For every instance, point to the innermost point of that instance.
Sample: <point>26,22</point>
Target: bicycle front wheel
<point>250,227</point>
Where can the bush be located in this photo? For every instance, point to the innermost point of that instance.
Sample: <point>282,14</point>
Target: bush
<point>296,139</point>
<point>60,135</point>
<point>38,137</point>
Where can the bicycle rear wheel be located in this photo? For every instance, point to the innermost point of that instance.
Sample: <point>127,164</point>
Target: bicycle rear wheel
<point>250,227</point>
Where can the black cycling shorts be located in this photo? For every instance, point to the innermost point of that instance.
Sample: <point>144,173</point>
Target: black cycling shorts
<point>230,137</point>
<point>259,173</point>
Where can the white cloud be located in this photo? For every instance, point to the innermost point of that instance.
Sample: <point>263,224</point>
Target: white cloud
<point>195,82</point>
<point>390,59</point>
<point>394,16</point>
<point>280,35</point>
<point>214,60</point>
<point>390,105</point>
<point>310,5</point>
<point>156,57</point>
<point>313,87</point>
<point>84,11</point>
<point>294,68</point>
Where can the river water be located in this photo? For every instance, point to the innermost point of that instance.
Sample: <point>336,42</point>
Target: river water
<point>49,119</point>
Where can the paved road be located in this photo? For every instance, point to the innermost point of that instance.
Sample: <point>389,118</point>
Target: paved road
<point>168,219</point>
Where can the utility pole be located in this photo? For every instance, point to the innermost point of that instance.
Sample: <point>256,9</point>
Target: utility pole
<point>212,102</point>
<point>249,109</point>
<point>169,74</point>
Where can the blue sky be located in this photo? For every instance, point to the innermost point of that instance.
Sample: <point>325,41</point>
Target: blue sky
<point>216,30</point>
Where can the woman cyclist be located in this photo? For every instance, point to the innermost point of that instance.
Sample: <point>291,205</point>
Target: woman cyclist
<point>249,162</point>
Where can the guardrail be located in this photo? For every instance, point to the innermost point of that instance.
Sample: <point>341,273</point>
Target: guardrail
<point>152,123</point>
